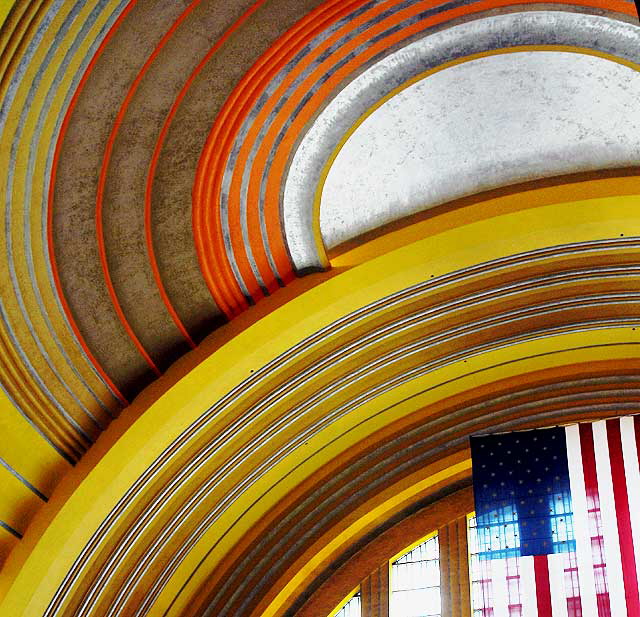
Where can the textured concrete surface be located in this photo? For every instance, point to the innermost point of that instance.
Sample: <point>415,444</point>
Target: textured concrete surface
<point>74,226</point>
<point>186,138</point>
<point>75,239</point>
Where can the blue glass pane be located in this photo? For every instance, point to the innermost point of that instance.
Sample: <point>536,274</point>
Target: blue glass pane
<point>522,496</point>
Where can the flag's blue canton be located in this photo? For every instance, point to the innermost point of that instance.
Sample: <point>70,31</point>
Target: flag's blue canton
<point>521,491</point>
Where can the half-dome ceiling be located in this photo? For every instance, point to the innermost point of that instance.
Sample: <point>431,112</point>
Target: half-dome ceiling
<point>481,125</point>
<point>461,111</point>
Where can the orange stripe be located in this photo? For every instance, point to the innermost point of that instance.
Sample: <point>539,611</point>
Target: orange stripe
<point>206,217</point>
<point>279,164</point>
<point>280,255</point>
<point>271,70</point>
<point>207,230</point>
<point>54,168</point>
<point>218,296</point>
<point>239,104</point>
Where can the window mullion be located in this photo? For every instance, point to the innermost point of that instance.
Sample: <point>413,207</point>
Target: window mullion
<point>454,558</point>
<point>374,592</point>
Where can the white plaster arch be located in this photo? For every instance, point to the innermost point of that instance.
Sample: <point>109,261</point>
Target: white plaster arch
<point>486,34</point>
<point>479,125</point>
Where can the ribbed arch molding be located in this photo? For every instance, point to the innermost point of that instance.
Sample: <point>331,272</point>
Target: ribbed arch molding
<point>301,445</point>
<point>365,162</point>
<point>54,402</point>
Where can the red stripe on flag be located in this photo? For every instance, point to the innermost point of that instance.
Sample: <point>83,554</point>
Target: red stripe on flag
<point>543,586</point>
<point>623,517</point>
<point>636,426</point>
<point>593,499</point>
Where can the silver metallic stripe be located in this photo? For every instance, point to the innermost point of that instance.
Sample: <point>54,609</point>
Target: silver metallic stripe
<point>337,66</point>
<point>5,108</point>
<point>44,238</point>
<point>341,488</point>
<point>35,139</point>
<point>295,443</point>
<point>11,530</point>
<point>37,429</point>
<point>9,240</point>
<point>59,37</point>
<point>47,181</point>
<point>230,167</point>
<point>23,480</point>
<point>260,375</point>
<point>308,162</point>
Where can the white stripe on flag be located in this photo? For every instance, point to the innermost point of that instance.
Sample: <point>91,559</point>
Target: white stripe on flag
<point>609,521</point>
<point>632,474</point>
<point>500,589</point>
<point>528,587</point>
<point>556,582</point>
<point>581,524</point>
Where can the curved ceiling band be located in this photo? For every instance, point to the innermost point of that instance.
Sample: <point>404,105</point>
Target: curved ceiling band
<point>158,146</point>
<point>388,545</point>
<point>403,475</point>
<point>73,404</point>
<point>143,568</point>
<point>50,199</point>
<point>103,249</point>
<point>208,183</point>
<point>114,288</point>
<point>160,141</point>
<point>101,189</point>
<point>133,330</point>
<point>113,231</point>
<point>444,155</point>
<point>320,377</point>
<point>289,109</point>
<point>34,192</point>
<point>53,402</point>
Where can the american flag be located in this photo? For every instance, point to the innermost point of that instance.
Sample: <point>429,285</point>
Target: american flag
<point>558,521</point>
